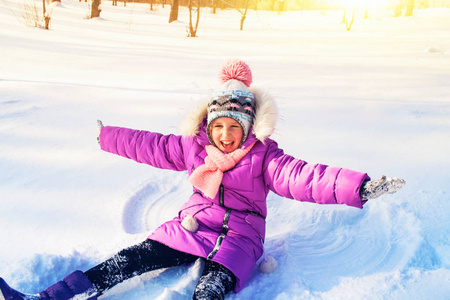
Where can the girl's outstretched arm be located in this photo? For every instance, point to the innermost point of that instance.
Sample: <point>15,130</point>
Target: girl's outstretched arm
<point>296,179</point>
<point>152,148</point>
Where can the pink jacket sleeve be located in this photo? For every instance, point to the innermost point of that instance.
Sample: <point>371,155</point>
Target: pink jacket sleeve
<point>296,179</point>
<point>155,149</point>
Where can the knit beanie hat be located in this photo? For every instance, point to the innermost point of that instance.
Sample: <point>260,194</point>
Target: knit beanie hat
<point>233,99</point>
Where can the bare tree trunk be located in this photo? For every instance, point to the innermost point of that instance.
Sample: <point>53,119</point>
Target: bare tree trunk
<point>280,6</point>
<point>409,8</point>
<point>242,22</point>
<point>95,10</point>
<point>174,11</point>
<point>198,16</point>
<point>348,24</point>
<point>244,15</point>
<point>192,30</point>
<point>214,6</point>
<point>45,16</point>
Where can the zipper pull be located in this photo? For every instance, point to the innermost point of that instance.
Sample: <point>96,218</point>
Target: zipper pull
<point>221,196</point>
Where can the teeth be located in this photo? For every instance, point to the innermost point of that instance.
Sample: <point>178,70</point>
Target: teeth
<point>227,143</point>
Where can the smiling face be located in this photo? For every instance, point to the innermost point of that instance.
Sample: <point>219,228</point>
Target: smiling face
<point>226,134</point>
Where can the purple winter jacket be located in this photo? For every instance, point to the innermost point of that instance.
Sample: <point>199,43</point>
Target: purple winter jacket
<point>245,187</point>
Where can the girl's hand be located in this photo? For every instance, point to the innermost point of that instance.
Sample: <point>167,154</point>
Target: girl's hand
<point>99,129</point>
<point>375,188</point>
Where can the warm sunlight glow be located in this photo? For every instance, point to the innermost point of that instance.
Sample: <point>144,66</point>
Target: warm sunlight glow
<point>364,4</point>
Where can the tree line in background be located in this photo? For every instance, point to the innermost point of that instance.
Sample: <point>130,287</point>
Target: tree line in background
<point>400,8</point>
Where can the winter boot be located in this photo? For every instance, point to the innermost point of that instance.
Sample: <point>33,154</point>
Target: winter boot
<point>75,284</point>
<point>7,293</point>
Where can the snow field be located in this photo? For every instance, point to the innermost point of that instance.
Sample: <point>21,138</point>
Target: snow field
<point>374,99</point>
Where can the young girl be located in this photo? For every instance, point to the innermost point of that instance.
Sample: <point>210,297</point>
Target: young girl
<point>232,164</point>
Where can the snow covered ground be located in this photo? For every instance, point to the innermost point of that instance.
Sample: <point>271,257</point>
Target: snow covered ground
<point>373,99</point>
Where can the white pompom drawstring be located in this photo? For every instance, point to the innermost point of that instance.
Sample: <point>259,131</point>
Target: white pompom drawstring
<point>267,264</point>
<point>190,223</point>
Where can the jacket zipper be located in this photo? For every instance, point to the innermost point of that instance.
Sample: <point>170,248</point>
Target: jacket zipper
<point>219,241</point>
<point>226,218</point>
<point>221,197</point>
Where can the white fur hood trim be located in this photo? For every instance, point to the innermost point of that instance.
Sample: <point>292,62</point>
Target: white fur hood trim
<point>264,123</point>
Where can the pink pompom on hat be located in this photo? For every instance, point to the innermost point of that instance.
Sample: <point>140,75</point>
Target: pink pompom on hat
<point>236,69</point>
<point>233,99</point>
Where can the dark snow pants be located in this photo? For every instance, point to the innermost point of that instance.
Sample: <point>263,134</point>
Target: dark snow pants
<point>215,282</point>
